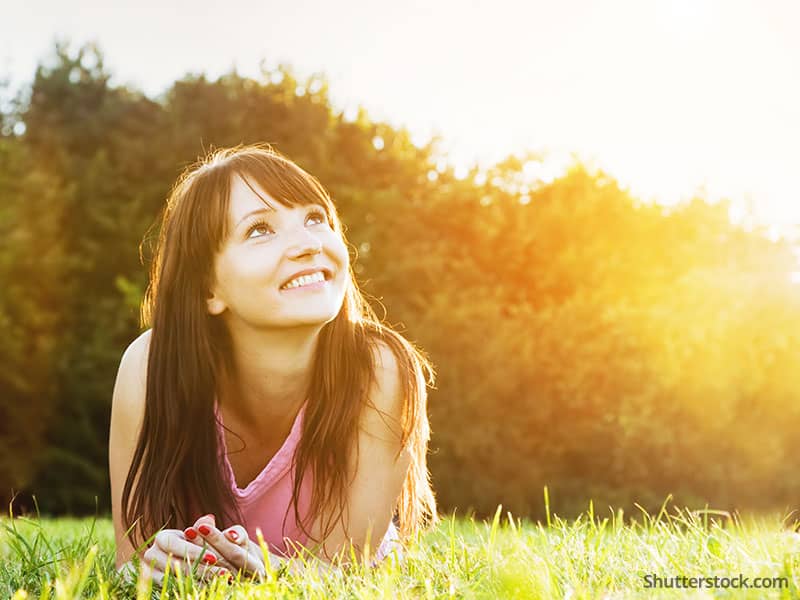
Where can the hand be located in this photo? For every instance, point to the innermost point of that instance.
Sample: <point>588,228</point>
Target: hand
<point>185,555</point>
<point>233,546</point>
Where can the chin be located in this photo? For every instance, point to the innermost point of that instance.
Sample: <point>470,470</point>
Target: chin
<point>316,318</point>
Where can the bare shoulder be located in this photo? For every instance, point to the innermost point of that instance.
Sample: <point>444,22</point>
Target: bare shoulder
<point>135,356</point>
<point>127,414</point>
<point>131,383</point>
<point>138,348</point>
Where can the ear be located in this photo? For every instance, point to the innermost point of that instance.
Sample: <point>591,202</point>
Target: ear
<point>215,305</point>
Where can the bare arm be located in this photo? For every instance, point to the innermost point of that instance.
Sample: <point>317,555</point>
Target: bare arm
<point>380,470</point>
<point>170,546</point>
<point>127,414</point>
<point>380,467</point>
<point>379,477</point>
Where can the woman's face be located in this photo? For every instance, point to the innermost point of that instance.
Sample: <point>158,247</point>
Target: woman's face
<point>264,250</point>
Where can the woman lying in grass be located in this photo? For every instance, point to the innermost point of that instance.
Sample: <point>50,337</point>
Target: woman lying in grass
<point>266,394</point>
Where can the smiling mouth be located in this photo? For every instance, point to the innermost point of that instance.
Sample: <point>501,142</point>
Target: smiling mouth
<point>309,287</point>
<point>308,282</point>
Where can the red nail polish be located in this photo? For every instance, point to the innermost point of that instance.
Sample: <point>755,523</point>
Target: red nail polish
<point>209,558</point>
<point>190,533</point>
<point>204,529</point>
<point>233,535</point>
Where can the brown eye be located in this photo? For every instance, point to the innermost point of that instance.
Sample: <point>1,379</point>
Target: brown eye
<point>258,225</point>
<point>320,215</point>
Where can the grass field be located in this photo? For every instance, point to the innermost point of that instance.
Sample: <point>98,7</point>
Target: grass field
<point>593,556</point>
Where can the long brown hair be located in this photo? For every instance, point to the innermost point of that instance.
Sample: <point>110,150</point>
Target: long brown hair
<point>190,353</point>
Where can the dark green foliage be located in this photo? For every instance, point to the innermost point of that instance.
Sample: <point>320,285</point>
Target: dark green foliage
<point>606,348</point>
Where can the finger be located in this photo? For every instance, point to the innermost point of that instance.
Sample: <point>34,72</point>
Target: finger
<point>235,554</point>
<point>201,570</point>
<point>208,519</point>
<point>207,524</point>
<point>158,563</point>
<point>155,559</point>
<point>238,535</point>
<point>171,541</point>
<point>192,533</point>
<point>192,536</point>
<point>152,574</point>
<point>251,545</point>
<point>208,574</point>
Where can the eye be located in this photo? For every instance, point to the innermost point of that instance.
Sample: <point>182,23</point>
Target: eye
<point>260,224</point>
<point>319,214</point>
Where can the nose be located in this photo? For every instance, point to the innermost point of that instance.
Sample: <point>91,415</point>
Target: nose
<point>305,243</point>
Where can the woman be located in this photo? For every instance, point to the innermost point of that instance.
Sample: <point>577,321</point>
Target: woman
<point>266,396</point>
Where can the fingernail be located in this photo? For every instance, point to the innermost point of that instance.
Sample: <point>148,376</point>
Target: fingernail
<point>209,558</point>
<point>233,535</point>
<point>204,529</point>
<point>223,571</point>
<point>190,533</point>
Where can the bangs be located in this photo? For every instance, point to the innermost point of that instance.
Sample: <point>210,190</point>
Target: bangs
<point>282,180</point>
<point>263,170</point>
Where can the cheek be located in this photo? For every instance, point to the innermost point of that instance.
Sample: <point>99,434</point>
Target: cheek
<point>240,273</point>
<point>339,249</point>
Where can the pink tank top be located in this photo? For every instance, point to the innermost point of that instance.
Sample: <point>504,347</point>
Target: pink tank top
<point>264,502</point>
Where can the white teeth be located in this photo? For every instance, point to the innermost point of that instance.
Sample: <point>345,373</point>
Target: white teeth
<point>304,280</point>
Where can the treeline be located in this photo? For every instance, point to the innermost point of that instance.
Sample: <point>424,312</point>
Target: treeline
<point>583,340</point>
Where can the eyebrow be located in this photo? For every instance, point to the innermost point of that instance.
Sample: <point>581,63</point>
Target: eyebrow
<point>254,212</point>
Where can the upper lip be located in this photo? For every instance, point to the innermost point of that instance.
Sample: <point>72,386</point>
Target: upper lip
<point>325,271</point>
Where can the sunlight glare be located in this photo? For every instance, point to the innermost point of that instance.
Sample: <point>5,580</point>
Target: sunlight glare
<point>684,17</point>
<point>781,208</point>
<point>350,114</point>
<point>552,166</point>
<point>737,213</point>
<point>420,137</point>
<point>315,86</point>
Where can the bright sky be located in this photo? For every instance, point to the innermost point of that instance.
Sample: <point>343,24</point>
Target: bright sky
<point>667,95</point>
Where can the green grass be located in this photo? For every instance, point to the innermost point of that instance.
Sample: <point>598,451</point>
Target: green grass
<point>593,556</point>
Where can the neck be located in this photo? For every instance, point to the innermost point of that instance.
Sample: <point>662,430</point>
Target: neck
<point>271,373</point>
